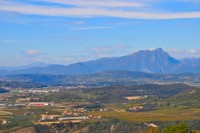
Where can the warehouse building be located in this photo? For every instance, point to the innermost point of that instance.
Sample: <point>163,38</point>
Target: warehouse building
<point>39,104</point>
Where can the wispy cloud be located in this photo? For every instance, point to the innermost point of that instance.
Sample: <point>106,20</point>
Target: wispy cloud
<point>190,1</point>
<point>95,8</point>
<point>96,3</point>
<point>107,51</point>
<point>78,22</point>
<point>31,52</point>
<point>26,57</point>
<point>182,53</point>
<point>3,41</point>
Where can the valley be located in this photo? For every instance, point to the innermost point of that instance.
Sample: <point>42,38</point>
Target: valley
<point>86,107</point>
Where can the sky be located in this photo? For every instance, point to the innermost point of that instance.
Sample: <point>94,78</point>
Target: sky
<point>70,31</point>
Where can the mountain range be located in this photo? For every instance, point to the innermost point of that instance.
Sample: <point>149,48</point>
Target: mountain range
<point>155,61</point>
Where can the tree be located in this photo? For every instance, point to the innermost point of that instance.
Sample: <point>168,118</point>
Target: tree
<point>179,128</point>
<point>168,104</point>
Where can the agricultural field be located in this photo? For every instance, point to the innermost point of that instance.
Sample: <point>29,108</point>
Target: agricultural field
<point>158,115</point>
<point>4,115</point>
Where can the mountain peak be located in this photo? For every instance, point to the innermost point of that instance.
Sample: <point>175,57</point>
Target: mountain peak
<point>158,50</point>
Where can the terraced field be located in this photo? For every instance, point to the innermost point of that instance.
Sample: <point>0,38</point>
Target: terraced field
<point>4,115</point>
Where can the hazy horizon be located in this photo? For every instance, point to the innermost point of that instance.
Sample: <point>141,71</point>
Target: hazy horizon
<point>44,63</point>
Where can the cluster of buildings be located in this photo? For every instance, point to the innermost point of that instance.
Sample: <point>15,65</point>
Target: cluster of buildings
<point>70,113</point>
<point>38,91</point>
<point>39,104</point>
<point>55,118</point>
<point>73,118</point>
<point>45,117</point>
<point>4,106</point>
<point>102,110</point>
<point>73,87</point>
<point>136,108</point>
<point>120,110</point>
<point>49,117</point>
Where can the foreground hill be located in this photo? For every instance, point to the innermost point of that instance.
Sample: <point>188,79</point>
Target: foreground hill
<point>155,61</point>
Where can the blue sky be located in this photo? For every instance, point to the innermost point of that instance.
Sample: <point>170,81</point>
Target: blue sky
<point>69,31</point>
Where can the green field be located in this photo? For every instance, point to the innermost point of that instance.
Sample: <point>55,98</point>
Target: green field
<point>158,115</point>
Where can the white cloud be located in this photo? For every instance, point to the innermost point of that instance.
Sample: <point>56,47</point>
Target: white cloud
<point>31,52</point>
<point>181,53</point>
<point>92,11</point>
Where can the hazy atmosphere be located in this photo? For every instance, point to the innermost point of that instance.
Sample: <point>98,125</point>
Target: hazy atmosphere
<point>70,31</point>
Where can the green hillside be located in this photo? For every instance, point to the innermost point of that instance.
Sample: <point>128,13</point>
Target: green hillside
<point>190,98</point>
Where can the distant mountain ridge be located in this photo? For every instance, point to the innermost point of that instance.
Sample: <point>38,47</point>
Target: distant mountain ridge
<point>155,61</point>
<point>34,64</point>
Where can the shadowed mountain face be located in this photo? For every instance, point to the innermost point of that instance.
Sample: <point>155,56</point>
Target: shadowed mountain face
<point>156,61</point>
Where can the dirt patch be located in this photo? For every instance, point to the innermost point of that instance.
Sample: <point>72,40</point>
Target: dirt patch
<point>133,98</point>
